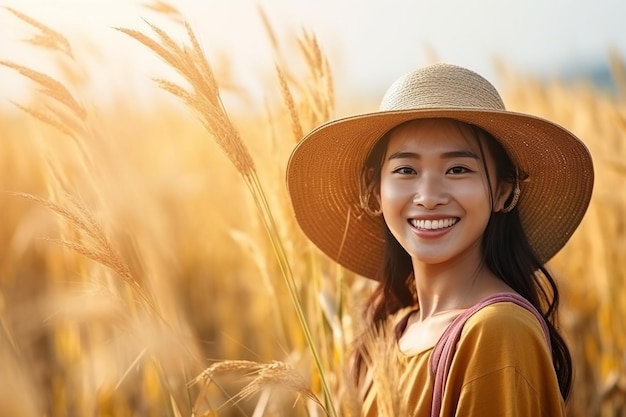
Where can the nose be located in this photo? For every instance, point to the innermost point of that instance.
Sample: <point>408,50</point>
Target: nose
<point>430,192</point>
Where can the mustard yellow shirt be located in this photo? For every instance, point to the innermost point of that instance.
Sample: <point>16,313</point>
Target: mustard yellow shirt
<point>502,367</point>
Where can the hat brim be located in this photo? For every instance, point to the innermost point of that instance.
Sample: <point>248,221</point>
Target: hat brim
<point>324,171</point>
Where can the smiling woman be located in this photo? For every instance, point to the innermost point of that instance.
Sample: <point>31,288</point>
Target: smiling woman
<point>451,217</point>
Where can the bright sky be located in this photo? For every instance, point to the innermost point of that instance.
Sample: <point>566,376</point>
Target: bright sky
<point>370,43</point>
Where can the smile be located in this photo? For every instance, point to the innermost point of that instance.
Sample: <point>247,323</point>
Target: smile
<point>433,224</point>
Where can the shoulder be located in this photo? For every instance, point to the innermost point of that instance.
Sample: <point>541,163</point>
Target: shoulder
<point>503,345</point>
<point>504,335</point>
<point>504,319</point>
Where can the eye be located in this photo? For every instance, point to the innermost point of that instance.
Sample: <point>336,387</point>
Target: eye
<point>404,171</point>
<point>459,170</point>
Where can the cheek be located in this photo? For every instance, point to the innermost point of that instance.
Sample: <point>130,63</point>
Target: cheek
<point>392,204</point>
<point>478,202</point>
<point>392,194</point>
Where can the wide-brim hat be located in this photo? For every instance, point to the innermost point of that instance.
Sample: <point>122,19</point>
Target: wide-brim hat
<point>324,170</point>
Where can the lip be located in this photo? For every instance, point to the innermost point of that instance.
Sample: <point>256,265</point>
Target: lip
<point>432,233</point>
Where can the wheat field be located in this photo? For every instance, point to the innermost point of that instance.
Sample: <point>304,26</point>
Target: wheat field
<point>150,264</point>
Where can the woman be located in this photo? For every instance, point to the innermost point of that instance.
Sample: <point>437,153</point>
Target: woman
<point>454,205</point>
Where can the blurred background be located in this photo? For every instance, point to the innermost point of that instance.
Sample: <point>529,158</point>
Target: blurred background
<point>369,42</point>
<point>149,261</point>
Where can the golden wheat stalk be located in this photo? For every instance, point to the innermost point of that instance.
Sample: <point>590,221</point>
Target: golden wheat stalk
<point>56,90</point>
<point>97,246</point>
<point>69,117</point>
<point>318,93</point>
<point>204,98</point>
<point>47,38</point>
<point>167,9</point>
<point>321,76</point>
<point>296,126</point>
<point>261,377</point>
<point>51,87</point>
<point>383,371</point>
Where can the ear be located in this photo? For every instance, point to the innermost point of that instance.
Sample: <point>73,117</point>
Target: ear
<point>376,195</point>
<point>504,193</point>
<point>370,198</point>
<point>375,191</point>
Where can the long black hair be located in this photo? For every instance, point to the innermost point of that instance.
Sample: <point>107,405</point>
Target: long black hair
<point>505,247</point>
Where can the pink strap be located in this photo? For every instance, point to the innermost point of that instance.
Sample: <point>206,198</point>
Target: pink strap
<point>443,352</point>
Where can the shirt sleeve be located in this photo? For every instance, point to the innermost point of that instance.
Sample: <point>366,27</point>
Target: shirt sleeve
<point>502,367</point>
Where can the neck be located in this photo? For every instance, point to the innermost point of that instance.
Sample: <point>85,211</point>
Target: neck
<point>452,286</point>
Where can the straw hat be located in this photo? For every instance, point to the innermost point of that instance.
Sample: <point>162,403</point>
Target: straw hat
<point>324,169</point>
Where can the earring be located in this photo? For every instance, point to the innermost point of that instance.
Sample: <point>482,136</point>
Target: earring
<point>513,203</point>
<point>369,207</point>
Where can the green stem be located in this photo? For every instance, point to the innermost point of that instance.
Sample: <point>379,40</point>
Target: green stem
<point>270,225</point>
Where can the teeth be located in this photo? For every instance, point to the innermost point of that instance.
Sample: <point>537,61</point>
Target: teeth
<point>433,224</point>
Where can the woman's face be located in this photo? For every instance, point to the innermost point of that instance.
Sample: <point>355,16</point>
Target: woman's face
<point>434,193</point>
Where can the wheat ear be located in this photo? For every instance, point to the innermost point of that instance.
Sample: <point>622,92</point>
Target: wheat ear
<point>203,97</point>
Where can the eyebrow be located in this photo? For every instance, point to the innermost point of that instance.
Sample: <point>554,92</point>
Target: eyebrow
<point>445,155</point>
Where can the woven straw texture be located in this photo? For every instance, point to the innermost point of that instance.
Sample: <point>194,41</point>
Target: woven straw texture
<point>324,169</point>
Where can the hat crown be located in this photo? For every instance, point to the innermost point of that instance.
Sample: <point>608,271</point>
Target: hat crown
<point>442,86</point>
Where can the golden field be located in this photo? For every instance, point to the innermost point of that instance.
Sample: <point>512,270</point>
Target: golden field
<point>150,265</point>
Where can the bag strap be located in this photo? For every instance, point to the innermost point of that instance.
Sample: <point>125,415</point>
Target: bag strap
<point>443,351</point>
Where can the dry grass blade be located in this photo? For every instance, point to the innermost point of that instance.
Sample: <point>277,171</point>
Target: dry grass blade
<point>63,112</point>
<point>312,52</point>
<point>218,368</point>
<point>175,408</point>
<point>63,118</point>
<point>81,219</point>
<point>321,75</point>
<point>165,8</point>
<point>330,90</point>
<point>203,95</point>
<point>263,376</point>
<point>101,257</point>
<point>351,402</point>
<point>52,88</point>
<point>153,45</point>
<point>49,38</point>
<point>383,371</point>
<point>182,61</point>
<point>204,69</point>
<point>130,368</point>
<point>618,71</point>
<point>296,126</point>
<point>219,126</point>
<point>231,366</point>
<point>268,28</point>
<point>278,375</point>
<point>97,247</point>
<point>48,119</point>
<point>187,97</point>
<point>317,100</point>
<point>188,62</point>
